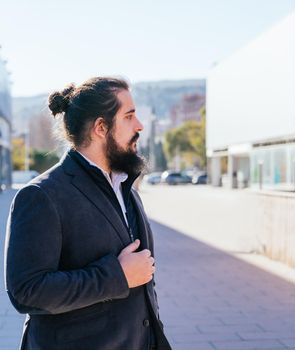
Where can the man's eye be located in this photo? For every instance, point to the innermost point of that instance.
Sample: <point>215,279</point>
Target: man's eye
<point>129,116</point>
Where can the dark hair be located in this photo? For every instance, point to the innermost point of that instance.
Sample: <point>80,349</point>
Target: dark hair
<point>82,105</point>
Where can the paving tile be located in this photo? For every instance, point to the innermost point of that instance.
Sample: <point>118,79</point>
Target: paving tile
<point>230,328</point>
<point>196,337</point>
<point>249,345</point>
<point>193,346</point>
<point>289,342</point>
<point>287,335</point>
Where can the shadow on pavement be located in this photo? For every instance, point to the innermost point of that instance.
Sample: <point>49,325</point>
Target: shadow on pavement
<point>210,299</point>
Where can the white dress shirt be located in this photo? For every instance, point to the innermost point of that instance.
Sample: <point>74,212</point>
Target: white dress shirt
<point>115,181</point>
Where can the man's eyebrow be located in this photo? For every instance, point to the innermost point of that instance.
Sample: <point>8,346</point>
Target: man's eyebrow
<point>130,111</point>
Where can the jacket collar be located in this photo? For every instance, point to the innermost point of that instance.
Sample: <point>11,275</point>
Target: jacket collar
<point>116,177</point>
<point>84,183</point>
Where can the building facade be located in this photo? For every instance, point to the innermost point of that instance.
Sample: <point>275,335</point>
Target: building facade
<point>188,108</point>
<point>251,113</point>
<point>5,128</point>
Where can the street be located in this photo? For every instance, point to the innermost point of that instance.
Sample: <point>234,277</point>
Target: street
<point>214,293</point>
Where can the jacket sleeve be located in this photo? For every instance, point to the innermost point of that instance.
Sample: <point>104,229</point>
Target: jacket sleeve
<point>153,280</point>
<point>32,251</point>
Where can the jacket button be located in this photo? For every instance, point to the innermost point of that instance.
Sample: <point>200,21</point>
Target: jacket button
<point>146,322</point>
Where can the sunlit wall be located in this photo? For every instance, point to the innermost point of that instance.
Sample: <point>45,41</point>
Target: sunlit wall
<point>251,106</point>
<point>251,95</point>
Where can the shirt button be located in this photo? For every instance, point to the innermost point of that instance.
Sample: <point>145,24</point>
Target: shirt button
<point>146,322</point>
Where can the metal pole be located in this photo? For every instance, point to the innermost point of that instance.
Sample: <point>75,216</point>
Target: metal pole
<point>27,150</point>
<point>152,156</point>
<point>260,164</point>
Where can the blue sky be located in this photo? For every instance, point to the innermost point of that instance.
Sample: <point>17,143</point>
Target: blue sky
<point>50,43</point>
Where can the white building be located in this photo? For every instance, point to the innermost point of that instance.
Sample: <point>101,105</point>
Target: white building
<point>251,113</point>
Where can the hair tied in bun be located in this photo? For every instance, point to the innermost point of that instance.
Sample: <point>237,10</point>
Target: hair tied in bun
<point>58,101</point>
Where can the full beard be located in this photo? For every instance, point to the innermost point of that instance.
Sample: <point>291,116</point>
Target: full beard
<point>120,160</point>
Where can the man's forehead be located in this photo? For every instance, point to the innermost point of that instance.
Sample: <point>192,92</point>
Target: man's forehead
<point>127,104</point>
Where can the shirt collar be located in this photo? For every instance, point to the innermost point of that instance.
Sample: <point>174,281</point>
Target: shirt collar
<point>115,179</point>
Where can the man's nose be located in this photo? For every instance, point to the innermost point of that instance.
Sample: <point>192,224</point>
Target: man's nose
<point>139,125</point>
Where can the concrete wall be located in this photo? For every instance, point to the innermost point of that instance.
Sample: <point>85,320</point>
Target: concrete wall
<point>277,226</point>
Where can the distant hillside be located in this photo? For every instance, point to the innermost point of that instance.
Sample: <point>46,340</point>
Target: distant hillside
<point>159,95</point>
<point>163,95</point>
<point>25,108</point>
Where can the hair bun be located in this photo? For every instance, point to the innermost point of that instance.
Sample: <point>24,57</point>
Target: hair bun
<point>58,101</point>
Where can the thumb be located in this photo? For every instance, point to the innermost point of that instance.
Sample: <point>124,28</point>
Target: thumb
<point>131,247</point>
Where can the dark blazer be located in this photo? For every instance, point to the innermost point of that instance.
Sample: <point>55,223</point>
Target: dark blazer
<point>63,239</point>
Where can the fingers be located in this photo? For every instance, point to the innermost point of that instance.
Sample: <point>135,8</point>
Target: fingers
<point>150,278</point>
<point>146,253</point>
<point>131,247</point>
<point>153,269</point>
<point>152,266</point>
<point>152,260</point>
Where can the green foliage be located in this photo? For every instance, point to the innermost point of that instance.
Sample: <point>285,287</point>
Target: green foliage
<point>43,160</point>
<point>188,141</point>
<point>18,153</point>
<point>40,160</point>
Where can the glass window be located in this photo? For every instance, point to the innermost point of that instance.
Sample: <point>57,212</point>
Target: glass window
<point>292,165</point>
<point>261,161</point>
<point>279,165</point>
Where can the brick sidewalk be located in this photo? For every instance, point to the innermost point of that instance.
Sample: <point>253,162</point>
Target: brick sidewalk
<point>210,300</point>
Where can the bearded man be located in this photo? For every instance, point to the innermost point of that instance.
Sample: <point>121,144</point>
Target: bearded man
<point>79,247</point>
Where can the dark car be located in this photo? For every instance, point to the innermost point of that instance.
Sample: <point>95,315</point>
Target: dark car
<point>200,179</point>
<point>153,178</point>
<point>175,178</point>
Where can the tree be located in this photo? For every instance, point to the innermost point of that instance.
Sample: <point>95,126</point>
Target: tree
<point>43,160</point>
<point>18,153</point>
<point>188,141</point>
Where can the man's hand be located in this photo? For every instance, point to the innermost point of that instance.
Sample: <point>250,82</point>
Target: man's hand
<point>138,267</point>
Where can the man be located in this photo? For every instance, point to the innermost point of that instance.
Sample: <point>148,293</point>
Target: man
<point>79,248</point>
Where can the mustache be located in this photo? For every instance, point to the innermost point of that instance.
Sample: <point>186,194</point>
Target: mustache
<point>134,138</point>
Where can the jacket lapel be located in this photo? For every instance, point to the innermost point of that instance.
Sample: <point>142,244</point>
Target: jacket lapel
<point>142,221</point>
<point>86,186</point>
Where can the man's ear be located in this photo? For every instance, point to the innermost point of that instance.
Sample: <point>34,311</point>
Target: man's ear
<point>99,128</point>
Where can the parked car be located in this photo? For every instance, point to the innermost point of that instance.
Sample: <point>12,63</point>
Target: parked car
<point>200,179</point>
<point>23,176</point>
<point>153,178</point>
<point>174,178</point>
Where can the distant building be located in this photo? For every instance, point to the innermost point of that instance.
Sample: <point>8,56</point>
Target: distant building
<point>188,108</point>
<point>251,113</point>
<point>5,128</point>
